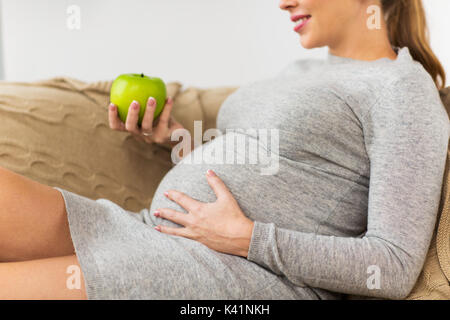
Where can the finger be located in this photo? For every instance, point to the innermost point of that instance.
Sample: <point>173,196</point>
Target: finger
<point>131,124</point>
<point>173,215</point>
<point>218,186</point>
<point>165,115</point>
<point>114,122</point>
<point>147,121</point>
<point>181,232</point>
<point>183,200</point>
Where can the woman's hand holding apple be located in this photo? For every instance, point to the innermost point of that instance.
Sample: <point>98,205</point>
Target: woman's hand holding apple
<point>159,133</point>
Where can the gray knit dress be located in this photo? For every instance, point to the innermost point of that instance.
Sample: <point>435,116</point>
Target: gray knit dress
<point>344,192</point>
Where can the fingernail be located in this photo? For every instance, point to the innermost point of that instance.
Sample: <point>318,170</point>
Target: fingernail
<point>166,194</point>
<point>112,107</point>
<point>158,228</point>
<point>211,173</point>
<point>156,213</point>
<point>169,100</point>
<point>151,101</point>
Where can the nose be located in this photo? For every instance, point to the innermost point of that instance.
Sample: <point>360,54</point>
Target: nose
<point>288,4</point>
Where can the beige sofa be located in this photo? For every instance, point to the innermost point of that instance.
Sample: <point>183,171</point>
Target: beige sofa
<point>56,132</point>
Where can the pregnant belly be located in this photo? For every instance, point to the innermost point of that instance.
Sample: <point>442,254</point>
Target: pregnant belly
<point>296,197</point>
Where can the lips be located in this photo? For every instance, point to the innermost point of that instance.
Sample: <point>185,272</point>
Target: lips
<point>299,16</point>
<point>301,21</point>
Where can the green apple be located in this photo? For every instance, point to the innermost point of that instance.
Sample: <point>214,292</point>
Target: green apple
<point>129,87</point>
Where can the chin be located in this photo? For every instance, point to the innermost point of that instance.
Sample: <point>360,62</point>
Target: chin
<point>309,42</point>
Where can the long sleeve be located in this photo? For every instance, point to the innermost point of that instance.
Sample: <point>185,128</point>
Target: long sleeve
<point>406,134</point>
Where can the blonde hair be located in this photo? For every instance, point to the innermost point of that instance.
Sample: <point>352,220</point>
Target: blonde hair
<point>407,27</point>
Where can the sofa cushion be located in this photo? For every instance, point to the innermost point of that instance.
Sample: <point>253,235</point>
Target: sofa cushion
<point>443,236</point>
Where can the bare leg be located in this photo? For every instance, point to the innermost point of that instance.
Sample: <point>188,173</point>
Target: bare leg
<point>53,278</point>
<point>33,220</point>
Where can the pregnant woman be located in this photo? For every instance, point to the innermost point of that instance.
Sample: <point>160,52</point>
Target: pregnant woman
<point>363,139</point>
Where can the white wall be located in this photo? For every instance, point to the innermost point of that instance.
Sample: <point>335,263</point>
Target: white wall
<point>198,42</point>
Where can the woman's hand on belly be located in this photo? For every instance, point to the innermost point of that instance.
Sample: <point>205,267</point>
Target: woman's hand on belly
<point>220,225</point>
